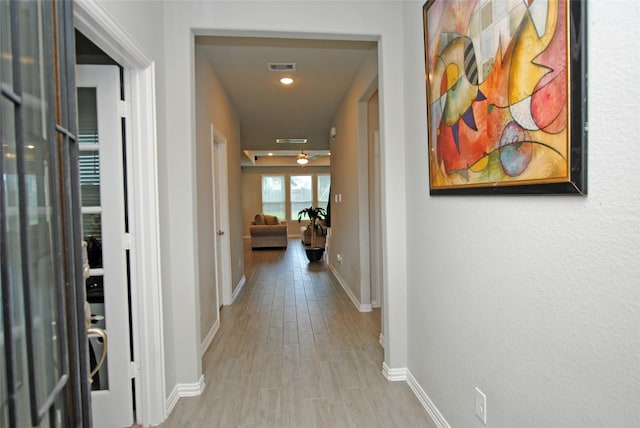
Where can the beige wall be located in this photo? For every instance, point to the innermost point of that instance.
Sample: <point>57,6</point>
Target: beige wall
<point>252,191</point>
<point>349,178</point>
<point>214,107</point>
<point>205,82</point>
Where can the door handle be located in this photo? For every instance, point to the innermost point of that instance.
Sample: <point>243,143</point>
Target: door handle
<point>220,232</point>
<point>95,331</point>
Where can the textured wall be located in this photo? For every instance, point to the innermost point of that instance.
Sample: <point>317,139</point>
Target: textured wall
<point>534,300</point>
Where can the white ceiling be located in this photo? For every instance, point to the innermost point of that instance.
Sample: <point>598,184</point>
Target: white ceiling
<point>267,109</point>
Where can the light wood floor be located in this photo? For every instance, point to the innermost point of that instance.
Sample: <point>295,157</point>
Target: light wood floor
<point>293,351</point>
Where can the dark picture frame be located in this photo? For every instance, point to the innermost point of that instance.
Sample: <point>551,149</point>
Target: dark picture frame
<point>506,96</point>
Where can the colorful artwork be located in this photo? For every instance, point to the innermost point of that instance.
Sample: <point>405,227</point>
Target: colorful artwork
<point>499,80</point>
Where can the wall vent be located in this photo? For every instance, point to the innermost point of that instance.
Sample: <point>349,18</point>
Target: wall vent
<point>282,66</point>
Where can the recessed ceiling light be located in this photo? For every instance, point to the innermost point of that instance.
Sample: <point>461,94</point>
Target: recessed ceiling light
<point>286,80</point>
<point>270,154</point>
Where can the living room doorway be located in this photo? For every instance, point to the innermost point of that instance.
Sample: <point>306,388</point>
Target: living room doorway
<point>238,78</point>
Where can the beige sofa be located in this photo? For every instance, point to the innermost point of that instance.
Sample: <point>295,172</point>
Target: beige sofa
<point>267,231</point>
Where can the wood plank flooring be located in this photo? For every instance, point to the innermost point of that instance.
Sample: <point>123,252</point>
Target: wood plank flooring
<point>293,352</point>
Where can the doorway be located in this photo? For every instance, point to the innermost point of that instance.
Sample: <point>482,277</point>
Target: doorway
<point>244,71</point>
<point>147,371</point>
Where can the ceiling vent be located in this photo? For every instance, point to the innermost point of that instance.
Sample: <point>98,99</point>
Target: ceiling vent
<point>281,66</point>
<point>291,140</point>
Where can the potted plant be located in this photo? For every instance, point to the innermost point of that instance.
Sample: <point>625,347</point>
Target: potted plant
<point>315,215</point>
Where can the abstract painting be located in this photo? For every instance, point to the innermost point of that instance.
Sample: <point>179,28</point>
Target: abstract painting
<point>506,96</point>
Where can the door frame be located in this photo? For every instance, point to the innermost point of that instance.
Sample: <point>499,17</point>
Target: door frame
<point>142,180</point>
<point>219,164</point>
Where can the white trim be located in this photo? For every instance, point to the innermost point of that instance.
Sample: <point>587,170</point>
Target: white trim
<point>394,375</point>
<point>95,23</point>
<point>184,390</point>
<point>191,389</point>
<point>375,304</point>
<point>426,402</point>
<point>146,223</point>
<point>381,340</point>
<point>209,337</point>
<point>147,318</point>
<point>404,375</point>
<point>172,399</point>
<point>361,307</point>
<point>238,289</point>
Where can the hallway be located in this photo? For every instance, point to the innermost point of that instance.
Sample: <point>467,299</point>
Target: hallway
<point>292,351</point>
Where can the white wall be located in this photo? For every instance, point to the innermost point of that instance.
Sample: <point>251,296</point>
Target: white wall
<point>139,19</point>
<point>349,172</point>
<point>535,300</point>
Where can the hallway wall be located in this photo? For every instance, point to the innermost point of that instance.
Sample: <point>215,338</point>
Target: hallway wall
<point>220,111</point>
<point>349,171</point>
<point>534,300</point>
<point>213,107</point>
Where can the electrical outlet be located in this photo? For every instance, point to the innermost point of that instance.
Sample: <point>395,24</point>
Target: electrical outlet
<point>339,258</point>
<point>481,406</point>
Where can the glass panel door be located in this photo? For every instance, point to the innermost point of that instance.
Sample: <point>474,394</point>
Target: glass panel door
<point>103,218</point>
<point>38,384</point>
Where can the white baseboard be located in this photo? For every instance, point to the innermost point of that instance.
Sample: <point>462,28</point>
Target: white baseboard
<point>209,338</point>
<point>172,400</point>
<point>362,307</point>
<point>184,390</point>
<point>394,375</point>
<point>404,375</point>
<point>375,304</point>
<point>238,289</point>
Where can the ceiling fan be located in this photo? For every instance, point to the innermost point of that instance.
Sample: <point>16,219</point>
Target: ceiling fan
<point>303,159</point>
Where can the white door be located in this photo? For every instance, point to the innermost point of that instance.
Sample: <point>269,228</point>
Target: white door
<point>221,214</point>
<point>103,213</point>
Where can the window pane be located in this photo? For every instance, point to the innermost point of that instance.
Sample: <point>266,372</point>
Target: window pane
<point>87,116</point>
<point>40,219</point>
<point>92,233</point>
<point>6,70</point>
<point>324,185</point>
<point>89,154</point>
<point>90,178</point>
<point>12,259</point>
<point>301,194</point>
<point>273,196</point>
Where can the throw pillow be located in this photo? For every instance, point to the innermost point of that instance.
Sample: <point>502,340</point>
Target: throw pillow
<point>259,219</point>
<point>270,219</point>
